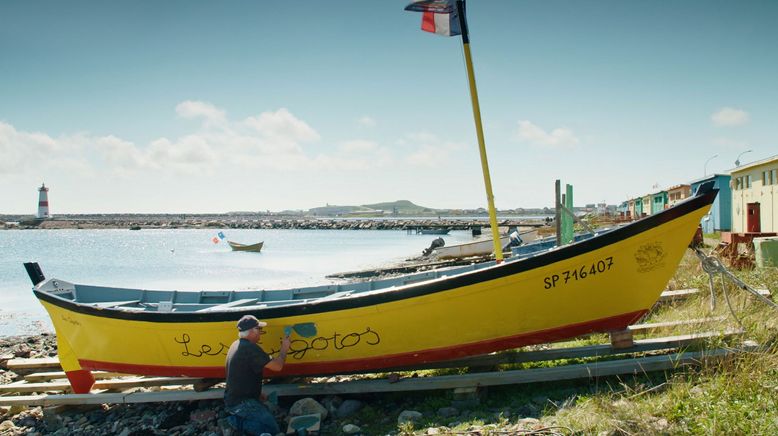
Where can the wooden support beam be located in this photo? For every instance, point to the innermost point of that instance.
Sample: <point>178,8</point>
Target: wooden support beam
<point>36,363</point>
<point>568,372</point>
<point>680,294</point>
<point>124,383</point>
<point>513,356</point>
<point>58,375</point>
<point>621,339</point>
<point>660,325</point>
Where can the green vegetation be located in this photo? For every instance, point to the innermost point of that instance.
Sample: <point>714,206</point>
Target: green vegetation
<point>402,207</point>
<point>736,395</point>
<point>399,207</point>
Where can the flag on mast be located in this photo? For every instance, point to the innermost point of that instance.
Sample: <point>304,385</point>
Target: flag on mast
<point>438,16</point>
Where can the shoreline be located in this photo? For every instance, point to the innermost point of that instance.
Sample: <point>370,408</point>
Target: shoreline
<point>409,224</point>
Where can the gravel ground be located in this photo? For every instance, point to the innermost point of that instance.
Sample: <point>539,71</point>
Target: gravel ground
<point>367,415</point>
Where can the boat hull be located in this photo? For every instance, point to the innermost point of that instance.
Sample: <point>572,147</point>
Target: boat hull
<point>602,284</point>
<point>244,247</point>
<point>476,248</point>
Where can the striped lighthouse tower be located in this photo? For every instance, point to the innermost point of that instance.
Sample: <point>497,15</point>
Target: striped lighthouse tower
<point>43,202</point>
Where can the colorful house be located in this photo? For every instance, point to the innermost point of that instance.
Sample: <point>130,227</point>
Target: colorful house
<point>631,208</point>
<point>646,200</point>
<point>658,202</point>
<point>622,210</point>
<point>755,196</point>
<point>677,193</point>
<point>638,208</point>
<point>720,216</point>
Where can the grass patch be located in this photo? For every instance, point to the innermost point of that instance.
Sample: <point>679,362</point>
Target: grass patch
<point>737,395</point>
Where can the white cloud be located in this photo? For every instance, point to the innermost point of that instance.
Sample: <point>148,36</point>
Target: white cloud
<point>430,151</point>
<point>728,117</point>
<point>275,140</point>
<point>557,138</point>
<point>20,150</point>
<point>366,121</point>
<point>200,109</point>
<point>358,146</point>
<point>282,126</point>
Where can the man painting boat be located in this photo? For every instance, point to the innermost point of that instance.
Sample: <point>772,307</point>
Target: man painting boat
<point>245,362</point>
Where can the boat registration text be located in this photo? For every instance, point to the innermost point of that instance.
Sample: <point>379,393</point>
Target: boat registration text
<point>585,271</point>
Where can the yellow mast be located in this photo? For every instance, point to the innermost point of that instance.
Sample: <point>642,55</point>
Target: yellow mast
<point>479,131</point>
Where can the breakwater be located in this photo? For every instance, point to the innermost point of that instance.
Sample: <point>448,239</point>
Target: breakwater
<point>266,223</point>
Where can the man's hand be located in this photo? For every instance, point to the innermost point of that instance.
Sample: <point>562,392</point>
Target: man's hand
<point>285,344</point>
<point>277,363</point>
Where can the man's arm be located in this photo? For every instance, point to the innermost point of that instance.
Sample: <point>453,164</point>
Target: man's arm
<point>277,363</point>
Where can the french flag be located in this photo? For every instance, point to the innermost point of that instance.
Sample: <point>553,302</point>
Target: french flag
<point>439,16</point>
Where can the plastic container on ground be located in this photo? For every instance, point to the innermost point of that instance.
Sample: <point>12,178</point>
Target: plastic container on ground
<point>766,250</point>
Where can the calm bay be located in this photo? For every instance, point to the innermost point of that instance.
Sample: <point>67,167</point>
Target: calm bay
<point>188,259</point>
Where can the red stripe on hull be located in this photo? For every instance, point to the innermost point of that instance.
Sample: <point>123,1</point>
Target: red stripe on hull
<point>376,363</point>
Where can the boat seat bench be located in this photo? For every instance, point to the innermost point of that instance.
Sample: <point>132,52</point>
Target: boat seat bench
<point>236,303</point>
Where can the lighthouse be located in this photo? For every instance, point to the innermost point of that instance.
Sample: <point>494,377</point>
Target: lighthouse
<point>43,202</point>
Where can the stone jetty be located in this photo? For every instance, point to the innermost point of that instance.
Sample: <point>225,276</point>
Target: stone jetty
<point>236,222</point>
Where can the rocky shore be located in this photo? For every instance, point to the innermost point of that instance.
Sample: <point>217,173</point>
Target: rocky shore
<point>262,223</point>
<point>384,414</point>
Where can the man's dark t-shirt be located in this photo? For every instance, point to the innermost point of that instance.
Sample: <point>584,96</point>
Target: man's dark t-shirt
<point>245,362</point>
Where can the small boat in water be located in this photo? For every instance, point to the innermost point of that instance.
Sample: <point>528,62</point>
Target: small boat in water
<point>243,247</point>
<point>600,284</point>
<point>434,231</point>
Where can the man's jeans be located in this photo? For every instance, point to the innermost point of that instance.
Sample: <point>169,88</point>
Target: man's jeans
<point>252,417</point>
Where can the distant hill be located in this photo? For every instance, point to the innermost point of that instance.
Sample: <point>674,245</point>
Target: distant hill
<point>399,207</point>
<point>402,207</point>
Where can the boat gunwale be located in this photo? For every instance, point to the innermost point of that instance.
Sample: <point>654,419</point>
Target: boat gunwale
<point>368,298</point>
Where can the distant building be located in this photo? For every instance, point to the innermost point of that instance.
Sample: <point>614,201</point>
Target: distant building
<point>658,202</point>
<point>678,193</point>
<point>623,210</point>
<point>754,192</point>
<point>720,216</point>
<point>43,202</point>
<point>646,200</point>
<point>632,208</point>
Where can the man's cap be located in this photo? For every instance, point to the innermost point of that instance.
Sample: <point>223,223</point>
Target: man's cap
<point>248,322</point>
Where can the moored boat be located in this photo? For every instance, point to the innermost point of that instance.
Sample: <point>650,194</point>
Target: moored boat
<point>481,247</point>
<point>434,231</point>
<point>600,284</point>
<point>236,246</point>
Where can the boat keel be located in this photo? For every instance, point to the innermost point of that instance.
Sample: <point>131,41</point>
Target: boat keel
<point>81,380</point>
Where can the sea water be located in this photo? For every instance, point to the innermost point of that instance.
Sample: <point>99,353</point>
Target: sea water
<point>188,259</point>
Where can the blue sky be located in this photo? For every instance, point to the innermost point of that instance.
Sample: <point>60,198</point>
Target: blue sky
<point>202,106</point>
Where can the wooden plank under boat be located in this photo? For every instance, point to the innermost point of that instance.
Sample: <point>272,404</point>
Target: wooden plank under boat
<point>600,284</point>
<point>236,246</point>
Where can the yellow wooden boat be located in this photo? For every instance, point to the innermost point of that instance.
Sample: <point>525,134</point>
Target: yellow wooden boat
<point>600,284</point>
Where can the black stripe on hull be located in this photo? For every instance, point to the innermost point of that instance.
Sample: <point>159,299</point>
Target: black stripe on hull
<point>703,199</point>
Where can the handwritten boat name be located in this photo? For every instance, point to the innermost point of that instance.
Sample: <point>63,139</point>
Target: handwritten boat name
<point>298,347</point>
<point>204,350</point>
<point>576,274</point>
